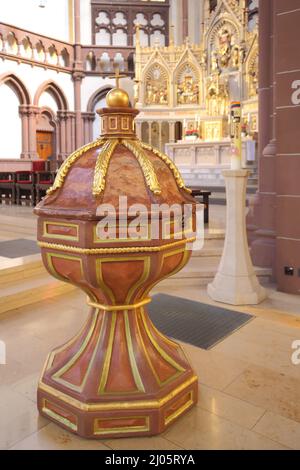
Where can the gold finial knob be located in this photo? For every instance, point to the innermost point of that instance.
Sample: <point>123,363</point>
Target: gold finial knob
<point>117,98</point>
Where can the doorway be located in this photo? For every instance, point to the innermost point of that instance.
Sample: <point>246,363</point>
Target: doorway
<point>178,131</point>
<point>44,144</point>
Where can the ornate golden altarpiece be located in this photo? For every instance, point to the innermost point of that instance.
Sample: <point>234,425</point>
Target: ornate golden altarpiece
<point>183,92</point>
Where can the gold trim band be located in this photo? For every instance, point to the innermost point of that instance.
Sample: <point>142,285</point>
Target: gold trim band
<point>114,308</point>
<point>127,249</point>
<point>123,405</point>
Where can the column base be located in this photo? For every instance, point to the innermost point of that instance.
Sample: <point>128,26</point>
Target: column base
<point>119,377</point>
<point>242,290</point>
<point>116,419</point>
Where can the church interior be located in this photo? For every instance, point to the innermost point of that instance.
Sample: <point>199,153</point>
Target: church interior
<point>188,338</point>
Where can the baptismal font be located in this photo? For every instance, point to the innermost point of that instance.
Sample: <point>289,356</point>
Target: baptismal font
<point>119,376</point>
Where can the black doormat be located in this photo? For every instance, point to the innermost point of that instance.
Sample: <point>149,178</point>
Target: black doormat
<point>18,248</point>
<point>199,324</point>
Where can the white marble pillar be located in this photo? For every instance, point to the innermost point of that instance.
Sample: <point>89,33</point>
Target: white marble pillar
<point>172,132</point>
<point>235,282</point>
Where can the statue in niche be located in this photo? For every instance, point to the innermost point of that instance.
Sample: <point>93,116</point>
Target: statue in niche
<point>224,48</point>
<point>242,54</point>
<point>212,100</point>
<point>156,88</point>
<point>253,77</point>
<point>204,59</point>
<point>253,83</point>
<point>136,91</point>
<point>217,98</point>
<point>188,91</point>
<point>235,57</point>
<point>214,62</point>
<point>223,100</point>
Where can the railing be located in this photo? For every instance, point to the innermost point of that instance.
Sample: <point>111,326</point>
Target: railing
<point>27,47</point>
<point>102,59</point>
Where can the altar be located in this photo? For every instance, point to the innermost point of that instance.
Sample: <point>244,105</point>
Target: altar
<point>201,162</point>
<point>183,93</point>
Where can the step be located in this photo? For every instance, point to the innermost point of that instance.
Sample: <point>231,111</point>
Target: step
<point>214,234</point>
<point>34,289</point>
<point>25,225</point>
<point>251,189</point>
<point>208,252</point>
<point>17,269</point>
<point>203,271</point>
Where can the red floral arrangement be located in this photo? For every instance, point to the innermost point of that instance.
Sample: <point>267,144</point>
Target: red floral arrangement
<point>193,132</point>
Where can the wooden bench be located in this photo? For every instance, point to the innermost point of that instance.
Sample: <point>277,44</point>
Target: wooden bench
<point>197,192</point>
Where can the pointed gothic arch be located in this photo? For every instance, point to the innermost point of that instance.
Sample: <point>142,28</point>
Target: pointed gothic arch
<point>55,91</point>
<point>157,85</point>
<point>97,96</point>
<point>23,95</point>
<point>14,82</point>
<point>187,78</point>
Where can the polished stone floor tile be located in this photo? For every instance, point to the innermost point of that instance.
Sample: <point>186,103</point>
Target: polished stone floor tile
<point>223,405</point>
<point>142,443</point>
<point>200,429</point>
<point>262,354</point>
<point>27,387</point>
<point>52,437</point>
<point>19,418</point>
<point>268,389</point>
<point>279,429</point>
<point>214,369</point>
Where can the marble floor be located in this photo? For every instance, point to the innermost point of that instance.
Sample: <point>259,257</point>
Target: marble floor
<point>249,389</point>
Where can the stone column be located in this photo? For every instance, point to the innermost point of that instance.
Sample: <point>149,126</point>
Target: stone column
<point>92,118</point>
<point>23,110</point>
<point>263,219</point>
<point>160,135</point>
<point>185,19</point>
<point>63,134</point>
<point>172,132</point>
<point>78,75</point>
<point>69,146</point>
<point>138,129</point>
<point>73,132</point>
<point>33,111</point>
<point>86,131</point>
<point>150,132</point>
<point>287,161</point>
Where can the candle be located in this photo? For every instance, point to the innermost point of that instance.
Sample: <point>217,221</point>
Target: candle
<point>236,138</point>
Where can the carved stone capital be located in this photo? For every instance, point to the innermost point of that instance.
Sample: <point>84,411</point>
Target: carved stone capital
<point>78,75</point>
<point>33,110</point>
<point>62,115</point>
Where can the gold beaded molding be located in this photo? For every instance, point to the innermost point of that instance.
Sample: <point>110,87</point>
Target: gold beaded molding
<point>128,249</point>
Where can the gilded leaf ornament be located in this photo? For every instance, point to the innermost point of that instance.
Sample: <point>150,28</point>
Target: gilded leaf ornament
<point>67,164</point>
<point>102,166</point>
<point>171,165</point>
<point>145,164</point>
